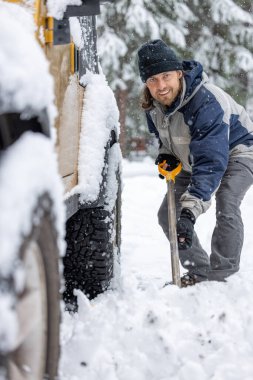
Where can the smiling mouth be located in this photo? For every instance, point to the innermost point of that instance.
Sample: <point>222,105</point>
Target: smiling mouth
<point>164,93</point>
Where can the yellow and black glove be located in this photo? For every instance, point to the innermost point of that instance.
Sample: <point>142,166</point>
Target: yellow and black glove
<point>171,161</point>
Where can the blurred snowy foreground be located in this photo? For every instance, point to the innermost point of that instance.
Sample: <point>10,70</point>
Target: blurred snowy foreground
<point>142,331</point>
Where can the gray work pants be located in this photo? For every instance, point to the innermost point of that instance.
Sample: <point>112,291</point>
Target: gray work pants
<point>228,234</point>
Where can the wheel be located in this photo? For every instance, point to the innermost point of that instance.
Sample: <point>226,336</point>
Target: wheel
<point>92,247</point>
<point>31,232</point>
<point>36,349</point>
<point>88,263</point>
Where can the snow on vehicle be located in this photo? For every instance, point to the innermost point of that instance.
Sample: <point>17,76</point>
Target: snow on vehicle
<point>59,171</point>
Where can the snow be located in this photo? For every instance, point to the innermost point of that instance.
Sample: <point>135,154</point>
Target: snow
<point>244,59</point>
<point>76,32</point>
<point>142,330</point>
<point>21,59</point>
<point>138,329</point>
<point>225,11</point>
<point>111,42</point>
<point>32,178</point>
<point>56,8</point>
<point>113,176</point>
<point>100,116</point>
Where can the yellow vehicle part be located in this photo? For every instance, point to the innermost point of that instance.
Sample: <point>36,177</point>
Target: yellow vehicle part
<point>49,30</point>
<point>45,25</point>
<point>72,58</point>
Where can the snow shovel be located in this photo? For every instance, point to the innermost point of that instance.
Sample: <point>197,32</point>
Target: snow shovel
<point>170,180</point>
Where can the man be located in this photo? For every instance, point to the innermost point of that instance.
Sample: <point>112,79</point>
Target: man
<point>200,125</point>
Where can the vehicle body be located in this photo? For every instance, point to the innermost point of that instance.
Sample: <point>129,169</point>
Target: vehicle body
<point>59,177</point>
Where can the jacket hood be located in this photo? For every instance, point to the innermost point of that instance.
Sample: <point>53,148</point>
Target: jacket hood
<point>193,76</point>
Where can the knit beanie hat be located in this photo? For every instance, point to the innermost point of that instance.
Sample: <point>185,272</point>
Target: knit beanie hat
<point>155,57</point>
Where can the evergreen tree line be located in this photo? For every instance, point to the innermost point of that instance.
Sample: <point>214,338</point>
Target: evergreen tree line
<point>218,33</point>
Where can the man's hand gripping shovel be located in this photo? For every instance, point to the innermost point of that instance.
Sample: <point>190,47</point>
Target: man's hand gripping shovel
<point>170,177</point>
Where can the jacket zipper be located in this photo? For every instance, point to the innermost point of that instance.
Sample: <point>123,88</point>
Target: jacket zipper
<point>169,135</point>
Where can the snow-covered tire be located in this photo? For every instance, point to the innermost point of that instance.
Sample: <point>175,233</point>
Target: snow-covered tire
<point>93,242</point>
<point>31,232</point>
<point>36,351</point>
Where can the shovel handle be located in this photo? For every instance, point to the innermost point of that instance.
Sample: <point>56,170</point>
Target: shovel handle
<point>175,266</point>
<point>170,179</point>
<point>169,175</point>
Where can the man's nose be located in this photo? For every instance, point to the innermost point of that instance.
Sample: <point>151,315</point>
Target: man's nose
<point>161,84</point>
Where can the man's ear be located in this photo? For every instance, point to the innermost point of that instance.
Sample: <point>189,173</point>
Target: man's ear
<point>180,74</point>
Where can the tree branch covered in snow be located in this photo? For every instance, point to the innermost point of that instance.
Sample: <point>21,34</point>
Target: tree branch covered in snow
<point>125,25</point>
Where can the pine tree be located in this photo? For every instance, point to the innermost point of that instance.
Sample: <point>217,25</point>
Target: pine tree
<point>221,39</point>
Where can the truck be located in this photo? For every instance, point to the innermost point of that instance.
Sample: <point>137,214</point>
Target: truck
<point>60,178</point>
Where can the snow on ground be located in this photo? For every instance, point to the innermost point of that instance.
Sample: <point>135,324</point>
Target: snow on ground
<point>142,331</point>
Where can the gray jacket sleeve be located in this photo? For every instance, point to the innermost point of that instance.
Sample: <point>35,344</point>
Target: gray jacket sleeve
<point>196,205</point>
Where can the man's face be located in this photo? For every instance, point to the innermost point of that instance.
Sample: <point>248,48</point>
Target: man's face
<point>165,87</point>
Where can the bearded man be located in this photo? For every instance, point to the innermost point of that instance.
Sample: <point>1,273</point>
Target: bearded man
<point>201,126</point>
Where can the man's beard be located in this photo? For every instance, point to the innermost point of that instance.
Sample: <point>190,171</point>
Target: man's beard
<point>170,97</point>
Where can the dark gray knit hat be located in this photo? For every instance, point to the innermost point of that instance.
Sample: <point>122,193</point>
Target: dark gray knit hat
<point>155,57</point>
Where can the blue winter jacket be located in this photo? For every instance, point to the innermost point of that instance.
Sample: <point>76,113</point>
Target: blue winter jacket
<point>202,128</point>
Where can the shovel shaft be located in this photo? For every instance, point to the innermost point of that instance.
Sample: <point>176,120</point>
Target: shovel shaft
<point>173,234</point>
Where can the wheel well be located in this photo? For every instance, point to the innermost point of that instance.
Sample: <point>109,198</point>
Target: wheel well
<point>12,126</point>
